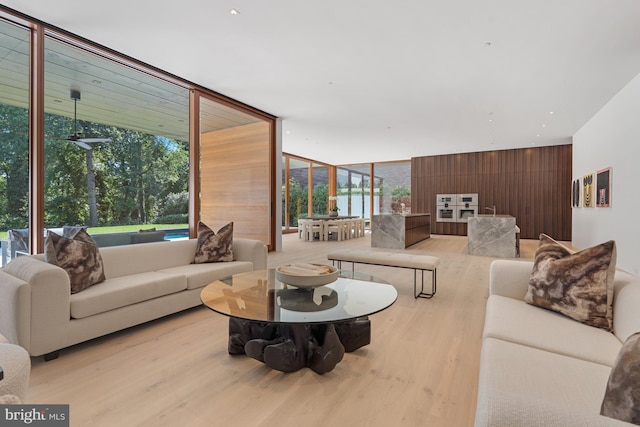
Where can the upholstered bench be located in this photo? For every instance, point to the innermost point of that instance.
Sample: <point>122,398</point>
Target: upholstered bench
<point>391,259</point>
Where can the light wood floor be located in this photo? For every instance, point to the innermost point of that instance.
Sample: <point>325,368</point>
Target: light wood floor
<point>420,369</point>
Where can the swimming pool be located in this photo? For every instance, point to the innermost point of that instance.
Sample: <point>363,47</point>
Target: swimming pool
<point>176,234</point>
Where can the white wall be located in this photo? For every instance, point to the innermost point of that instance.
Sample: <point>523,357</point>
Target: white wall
<point>612,138</point>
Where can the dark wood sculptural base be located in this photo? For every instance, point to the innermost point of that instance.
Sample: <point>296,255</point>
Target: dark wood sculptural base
<point>290,347</point>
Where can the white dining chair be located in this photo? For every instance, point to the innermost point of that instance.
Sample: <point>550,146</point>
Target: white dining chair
<point>314,228</point>
<point>301,228</point>
<point>333,227</point>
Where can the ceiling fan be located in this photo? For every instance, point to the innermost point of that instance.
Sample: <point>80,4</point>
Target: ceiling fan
<point>77,136</point>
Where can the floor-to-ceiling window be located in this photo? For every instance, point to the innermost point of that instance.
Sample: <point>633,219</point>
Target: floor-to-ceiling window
<point>116,144</point>
<point>108,142</point>
<point>353,190</point>
<point>391,184</point>
<point>392,187</point>
<point>306,186</point>
<point>320,192</point>
<point>14,139</point>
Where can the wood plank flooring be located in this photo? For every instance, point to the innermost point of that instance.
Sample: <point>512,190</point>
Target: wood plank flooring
<point>420,369</point>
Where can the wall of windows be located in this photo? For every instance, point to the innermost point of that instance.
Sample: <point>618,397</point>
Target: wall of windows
<point>305,190</point>
<point>391,187</point>
<point>116,143</point>
<point>106,142</point>
<point>14,139</point>
<point>307,186</point>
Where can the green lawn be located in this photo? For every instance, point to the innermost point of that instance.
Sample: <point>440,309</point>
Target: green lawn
<point>135,227</point>
<point>121,228</point>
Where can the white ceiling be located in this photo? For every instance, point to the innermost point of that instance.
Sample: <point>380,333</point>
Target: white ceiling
<point>376,80</point>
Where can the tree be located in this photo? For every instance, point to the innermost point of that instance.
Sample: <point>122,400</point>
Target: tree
<point>119,182</point>
<point>320,199</point>
<point>14,167</point>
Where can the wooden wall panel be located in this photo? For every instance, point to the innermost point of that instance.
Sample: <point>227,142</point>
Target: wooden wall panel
<point>532,184</point>
<point>234,180</point>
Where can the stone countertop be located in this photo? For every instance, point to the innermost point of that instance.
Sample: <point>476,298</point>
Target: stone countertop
<point>405,214</point>
<point>493,236</point>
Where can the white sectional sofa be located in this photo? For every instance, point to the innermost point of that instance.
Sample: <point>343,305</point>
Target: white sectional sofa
<point>143,282</point>
<point>540,368</point>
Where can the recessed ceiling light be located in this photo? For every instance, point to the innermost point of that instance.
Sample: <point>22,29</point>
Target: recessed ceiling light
<point>234,12</point>
<point>538,135</point>
<point>551,112</point>
<point>96,82</point>
<point>544,126</point>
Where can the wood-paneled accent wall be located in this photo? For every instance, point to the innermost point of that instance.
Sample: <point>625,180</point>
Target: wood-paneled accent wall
<point>234,180</point>
<point>532,184</point>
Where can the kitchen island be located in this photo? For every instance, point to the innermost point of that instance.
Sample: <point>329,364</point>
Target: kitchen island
<point>492,235</point>
<point>398,231</point>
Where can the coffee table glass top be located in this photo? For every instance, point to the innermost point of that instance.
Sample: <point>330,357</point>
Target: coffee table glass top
<point>258,295</point>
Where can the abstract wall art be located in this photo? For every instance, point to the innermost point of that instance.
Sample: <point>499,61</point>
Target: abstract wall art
<point>603,188</point>
<point>576,190</point>
<point>588,183</point>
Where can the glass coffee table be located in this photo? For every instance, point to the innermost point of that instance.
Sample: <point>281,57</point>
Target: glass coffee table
<point>289,328</point>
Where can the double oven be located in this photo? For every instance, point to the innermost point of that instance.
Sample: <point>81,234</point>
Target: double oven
<point>456,207</point>
<point>446,208</point>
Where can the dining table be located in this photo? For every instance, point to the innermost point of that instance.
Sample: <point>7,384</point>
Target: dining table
<point>327,227</point>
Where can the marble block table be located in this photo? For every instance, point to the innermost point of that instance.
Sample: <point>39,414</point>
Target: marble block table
<point>493,236</point>
<point>398,231</point>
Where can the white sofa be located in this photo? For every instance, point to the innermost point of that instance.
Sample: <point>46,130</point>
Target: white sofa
<point>143,282</point>
<point>540,368</point>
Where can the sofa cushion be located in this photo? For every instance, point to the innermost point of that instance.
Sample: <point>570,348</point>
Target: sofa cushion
<point>212,247</point>
<point>516,321</point>
<point>79,256</point>
<point>622,396</point>
<point>510,368</point>
<point>626,300</point>
<point>124,291</point>
<point>200,275</point>
<point>578,285</point>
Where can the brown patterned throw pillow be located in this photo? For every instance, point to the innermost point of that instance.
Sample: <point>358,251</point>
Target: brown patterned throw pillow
<point>622,397</point>
<point>212,247</point>
<point>79,256</point>
<point>578,285</point>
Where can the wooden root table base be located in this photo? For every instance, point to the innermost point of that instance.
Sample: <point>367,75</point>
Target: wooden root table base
<point>290,347</point>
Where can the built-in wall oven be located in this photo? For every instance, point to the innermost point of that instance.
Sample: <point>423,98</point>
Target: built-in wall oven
<point>446,208</point>
<point>467,206</point>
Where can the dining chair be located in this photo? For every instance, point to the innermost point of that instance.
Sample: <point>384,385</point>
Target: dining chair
<point>333,227</point>
<point>314,228</point>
